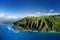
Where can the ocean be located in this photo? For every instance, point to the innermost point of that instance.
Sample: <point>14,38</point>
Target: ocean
<point>8,33</point>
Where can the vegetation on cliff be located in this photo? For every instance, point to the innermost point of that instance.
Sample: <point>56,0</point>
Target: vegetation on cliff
<point>41,23</point>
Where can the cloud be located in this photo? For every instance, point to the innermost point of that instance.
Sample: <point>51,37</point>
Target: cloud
<point>7,16</point>
<point>53,13</point>
<point>35,14</point>
<point>30,15</point>
<point>1,15</point>
<point>11,17</point>
<point>51,10</point>
<point>43,14</point>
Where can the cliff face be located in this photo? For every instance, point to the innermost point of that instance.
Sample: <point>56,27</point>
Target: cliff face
<point>41,23</point>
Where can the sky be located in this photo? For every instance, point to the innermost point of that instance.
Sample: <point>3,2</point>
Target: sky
<point>23,8</point>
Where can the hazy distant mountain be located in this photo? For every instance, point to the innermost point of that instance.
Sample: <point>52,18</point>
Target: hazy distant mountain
<point>41,23</point>
<point>6,18</point>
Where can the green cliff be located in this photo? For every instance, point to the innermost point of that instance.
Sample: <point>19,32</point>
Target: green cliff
<point>41,23</point>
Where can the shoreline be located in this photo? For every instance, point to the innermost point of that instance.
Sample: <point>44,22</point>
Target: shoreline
<point>35,31</point>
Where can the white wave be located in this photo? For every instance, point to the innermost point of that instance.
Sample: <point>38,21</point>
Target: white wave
<point>11,29</point>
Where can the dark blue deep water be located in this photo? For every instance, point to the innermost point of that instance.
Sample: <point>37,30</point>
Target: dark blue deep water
<point>8,33</point>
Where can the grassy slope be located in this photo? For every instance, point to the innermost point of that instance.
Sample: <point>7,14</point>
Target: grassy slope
<point>41,23</point>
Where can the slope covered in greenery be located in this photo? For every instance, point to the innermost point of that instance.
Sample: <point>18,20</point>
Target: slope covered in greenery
<point>41,23</point>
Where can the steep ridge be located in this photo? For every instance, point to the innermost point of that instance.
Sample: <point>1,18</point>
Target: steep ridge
<point>41,23</point>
